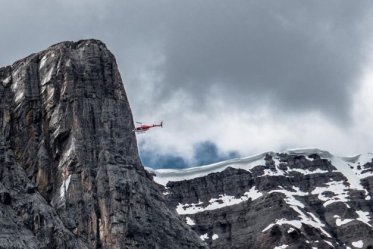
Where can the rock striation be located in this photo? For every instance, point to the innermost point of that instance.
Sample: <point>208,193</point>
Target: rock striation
<point>70,174</point>
<point>295,199</point>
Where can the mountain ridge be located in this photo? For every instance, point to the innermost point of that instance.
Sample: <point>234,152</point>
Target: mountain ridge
<point>299,198</point>
<point>188,173</point>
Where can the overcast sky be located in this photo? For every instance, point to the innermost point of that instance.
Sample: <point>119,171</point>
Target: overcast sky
<point>228,78</point>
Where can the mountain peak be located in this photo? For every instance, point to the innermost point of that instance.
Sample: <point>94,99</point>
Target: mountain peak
<point>80,43</point>
<point>298,198</point>
<point>70,173</point>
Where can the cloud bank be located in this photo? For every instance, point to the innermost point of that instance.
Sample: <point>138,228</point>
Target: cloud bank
<point>240,77</point>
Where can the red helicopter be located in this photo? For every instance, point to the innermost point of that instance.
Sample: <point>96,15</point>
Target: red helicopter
<point>143,127</point>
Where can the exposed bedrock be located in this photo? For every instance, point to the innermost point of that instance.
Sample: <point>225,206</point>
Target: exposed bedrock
<point>277,201</point>
<point>70,174</point>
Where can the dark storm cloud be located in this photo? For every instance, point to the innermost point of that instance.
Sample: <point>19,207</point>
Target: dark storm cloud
<point>300,55</point>
<point>303,55</point>
<point>287,57</point>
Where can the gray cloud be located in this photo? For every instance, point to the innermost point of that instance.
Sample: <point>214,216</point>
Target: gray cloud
<point>294,59</point>
<point>303,55</point>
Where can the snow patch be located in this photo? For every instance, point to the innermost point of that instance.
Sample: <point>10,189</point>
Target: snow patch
<point>309,218</point>
<point>204,237</point>
<point>214,237</point>
<point>358,244</point>
<point>6,81</point>
<point>345,165</point>
<point>281,247</point>
<point>290,199</point>
<point>340,222</point>
<point>165,175</point>
<point>216,203</point>
<point>268,172</point>
<point>339,190</point>
<point>308,172</point>
<point>363,217</point>
<point>280,222</point>
<point>189,221</point>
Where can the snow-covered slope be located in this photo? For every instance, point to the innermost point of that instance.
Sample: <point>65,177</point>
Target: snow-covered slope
<point>348,166</point>
<point>301,198</point>
<point>165,175</point>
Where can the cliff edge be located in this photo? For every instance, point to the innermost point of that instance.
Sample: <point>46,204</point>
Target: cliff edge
<point>70,174</point>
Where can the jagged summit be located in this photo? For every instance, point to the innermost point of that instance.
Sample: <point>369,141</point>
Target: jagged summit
<point>64,45</point>
<point>75,44</point>
<point>299,198</point>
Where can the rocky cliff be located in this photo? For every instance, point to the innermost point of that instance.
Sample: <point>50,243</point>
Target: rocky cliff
<point>295,199</point>
<point>71,177</point>
<point>70,174</point>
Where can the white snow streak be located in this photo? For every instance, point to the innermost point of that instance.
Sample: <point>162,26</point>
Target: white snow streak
<point>44,60</point>
<point>340,222</point>
<point>296,205</point>
<point>281,247</point>
<point>308,172</point>
<point>363,217</point>
<point>68,153</point>
<point>280,222</point>
<point>216,203</point>
<point>47,77</point>
<point>65,187</point>
<point>329,243</point>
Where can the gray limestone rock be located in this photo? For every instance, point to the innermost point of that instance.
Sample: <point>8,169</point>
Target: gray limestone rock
<point>287,201</point>
<point>70,174</point>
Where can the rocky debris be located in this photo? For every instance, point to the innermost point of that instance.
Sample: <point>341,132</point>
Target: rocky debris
<point>277,200</point>
<point>70,174</point>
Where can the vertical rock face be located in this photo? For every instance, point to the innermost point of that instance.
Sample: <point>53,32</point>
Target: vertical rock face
<point>70,175</point>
